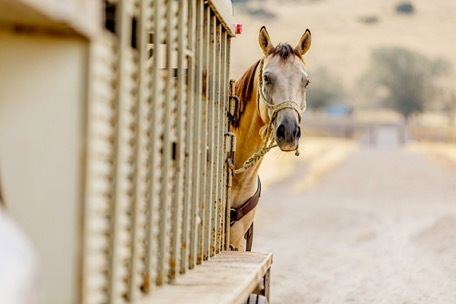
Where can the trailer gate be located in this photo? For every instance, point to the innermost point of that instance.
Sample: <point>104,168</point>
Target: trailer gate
<point>147,161</point>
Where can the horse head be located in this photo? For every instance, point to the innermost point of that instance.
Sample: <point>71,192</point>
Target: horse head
<point>282,87</point>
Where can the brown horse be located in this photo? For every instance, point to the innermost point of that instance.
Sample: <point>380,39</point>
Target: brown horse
<point>272,96</point>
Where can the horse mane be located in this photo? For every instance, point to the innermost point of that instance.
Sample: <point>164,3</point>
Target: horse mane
<point>244,89</point>
<point>244,85</point>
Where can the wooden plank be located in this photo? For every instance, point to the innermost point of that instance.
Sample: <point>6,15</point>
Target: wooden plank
<point>227,278</point>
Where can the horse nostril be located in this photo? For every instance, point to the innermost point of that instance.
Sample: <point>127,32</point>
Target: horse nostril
<point>281,131</point>
<point>298,132</point>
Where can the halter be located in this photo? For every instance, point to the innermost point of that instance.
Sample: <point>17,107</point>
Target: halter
<point>266,132</point>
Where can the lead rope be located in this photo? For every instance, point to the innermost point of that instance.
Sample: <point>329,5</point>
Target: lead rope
<point>266,132</point>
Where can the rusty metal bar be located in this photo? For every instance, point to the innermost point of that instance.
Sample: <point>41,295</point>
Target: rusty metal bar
<point>210,229</point>
<point>218,128</point>
<point>221,159</point>
<point>202,238</point>
<point>197,203</point>
<point>189,195</point>
<point>166,198</point>
<point>180,143</point>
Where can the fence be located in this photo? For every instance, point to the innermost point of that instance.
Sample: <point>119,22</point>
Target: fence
<point>113,150</point>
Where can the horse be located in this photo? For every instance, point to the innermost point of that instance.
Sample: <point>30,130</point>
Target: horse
<point>271,97</point>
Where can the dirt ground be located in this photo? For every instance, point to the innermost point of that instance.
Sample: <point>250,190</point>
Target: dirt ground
<point>379,228</point>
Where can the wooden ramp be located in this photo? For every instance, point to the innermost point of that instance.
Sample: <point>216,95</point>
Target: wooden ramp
<point>227,278</point>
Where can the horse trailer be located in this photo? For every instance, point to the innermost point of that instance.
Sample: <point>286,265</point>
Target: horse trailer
<point>114,146</point>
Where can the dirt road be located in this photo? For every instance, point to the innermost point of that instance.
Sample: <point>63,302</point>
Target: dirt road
<point>380,228</point>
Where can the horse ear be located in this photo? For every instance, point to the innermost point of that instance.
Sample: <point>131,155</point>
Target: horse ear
<point>304,43</point>
<point>264,40</point>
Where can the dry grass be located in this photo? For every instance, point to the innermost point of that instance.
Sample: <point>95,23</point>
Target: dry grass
<point>433,133</point>
<point>339,40</point>
<point>442,153</point>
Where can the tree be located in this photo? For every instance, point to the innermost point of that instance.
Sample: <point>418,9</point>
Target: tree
<point>324,89</point>
<point>407,77</point>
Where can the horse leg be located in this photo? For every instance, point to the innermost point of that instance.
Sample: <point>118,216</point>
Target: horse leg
<point>239,229</point>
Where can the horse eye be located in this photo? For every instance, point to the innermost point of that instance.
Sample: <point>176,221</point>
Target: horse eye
<point>307,83</point>
<point>266,79</point>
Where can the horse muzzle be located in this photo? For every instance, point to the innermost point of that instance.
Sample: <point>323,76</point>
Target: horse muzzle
<point>287,135</point>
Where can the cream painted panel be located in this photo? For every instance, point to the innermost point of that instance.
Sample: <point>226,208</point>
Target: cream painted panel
<point>42,98</point>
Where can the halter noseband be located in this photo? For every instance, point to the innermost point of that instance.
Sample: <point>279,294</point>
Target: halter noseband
<point>266,132</point>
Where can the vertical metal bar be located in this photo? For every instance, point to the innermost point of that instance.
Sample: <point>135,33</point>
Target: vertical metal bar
<point>176,234</point>
<point>197,204</point>
<point>223,123</point>
<point>120,251</point>
<point>156,131</point>
<point>167,173</point>
<point>142,164</point>
<point>210,129</point>
<point>216,137</point>
<point>202,238</point>
<point>229,173</point>
<point>189,195</point>
<point>98,199</point>
<point>223,102</point>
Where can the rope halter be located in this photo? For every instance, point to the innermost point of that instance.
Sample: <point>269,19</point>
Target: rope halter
<point>267,131</point>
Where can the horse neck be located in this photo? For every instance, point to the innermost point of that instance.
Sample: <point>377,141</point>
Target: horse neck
<point>248,142</point>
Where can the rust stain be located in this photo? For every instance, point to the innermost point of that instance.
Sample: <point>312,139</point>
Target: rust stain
<point>145,287</point>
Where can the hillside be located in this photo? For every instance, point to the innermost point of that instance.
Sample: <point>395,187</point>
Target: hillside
<point>344,32</point>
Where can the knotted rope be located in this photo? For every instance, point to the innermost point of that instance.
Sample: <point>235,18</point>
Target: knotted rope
<point>266,132</point>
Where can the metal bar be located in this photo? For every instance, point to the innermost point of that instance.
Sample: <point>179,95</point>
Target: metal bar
<point>229,180</point>
<point>167,173</point>
<point>225,14</point>
<point>202,238</point>
<point>216,145</point>
<point>156,132</point>
<point>196,223</point>
<point>122,202</point>
<point>176,234</point>
<point>223,123</point>
<point>143,144</point>
<point>210,229</point>
<point>99,170</point>
<point>189,195</point>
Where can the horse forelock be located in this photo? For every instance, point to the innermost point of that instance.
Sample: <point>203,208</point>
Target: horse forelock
<point>244,89</point>
<point>284,51</point>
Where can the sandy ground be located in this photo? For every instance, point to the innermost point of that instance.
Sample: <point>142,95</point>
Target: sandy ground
<point>379,228</point>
